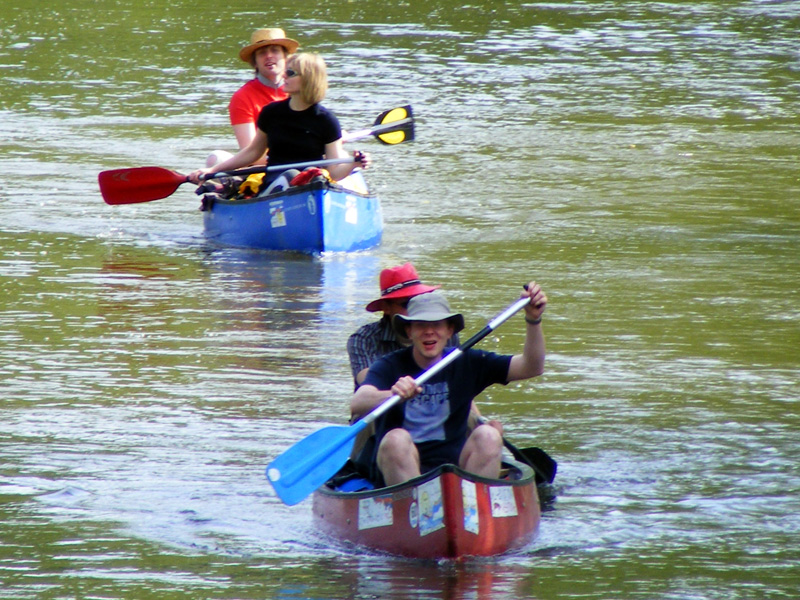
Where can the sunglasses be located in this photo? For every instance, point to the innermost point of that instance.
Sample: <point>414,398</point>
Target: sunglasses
<point>291,73</point>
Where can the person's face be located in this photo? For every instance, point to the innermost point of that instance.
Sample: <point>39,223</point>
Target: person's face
<point>395,306</point>
<point>271,62</point>
<point>429,338</point>
<point>291,79</point>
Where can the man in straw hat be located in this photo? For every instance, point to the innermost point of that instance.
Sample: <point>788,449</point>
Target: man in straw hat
<point>266,53</point>
<point>429,427</point>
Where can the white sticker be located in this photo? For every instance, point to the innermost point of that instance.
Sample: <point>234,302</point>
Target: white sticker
<point>503,502</point>
<point>351,210</point>
<point>431,508</point>
<point>375,512</point>
<point>469,497</point>
<point>277,217</point>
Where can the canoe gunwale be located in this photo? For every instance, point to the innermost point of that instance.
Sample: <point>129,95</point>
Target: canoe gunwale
<point>285,193</point>
<point>527,476</point>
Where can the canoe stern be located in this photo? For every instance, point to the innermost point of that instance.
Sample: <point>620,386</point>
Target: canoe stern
<point>314,218</point>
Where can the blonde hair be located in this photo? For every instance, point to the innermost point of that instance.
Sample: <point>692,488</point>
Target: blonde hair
<point>311,67</point>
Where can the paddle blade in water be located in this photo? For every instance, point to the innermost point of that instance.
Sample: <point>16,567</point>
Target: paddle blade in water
<point>139,184</point>
<point>308,464</point>
<point>404,131</point>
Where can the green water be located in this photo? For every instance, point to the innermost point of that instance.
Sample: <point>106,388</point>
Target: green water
<point>639,159</point>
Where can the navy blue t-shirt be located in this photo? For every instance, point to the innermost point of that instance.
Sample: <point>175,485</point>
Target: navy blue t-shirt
<point>436,418</point>
<point>297,136</point>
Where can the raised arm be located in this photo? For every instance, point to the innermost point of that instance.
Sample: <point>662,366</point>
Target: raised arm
<point>531,362</point>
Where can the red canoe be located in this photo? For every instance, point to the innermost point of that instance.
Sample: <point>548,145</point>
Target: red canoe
<point>445,513</point>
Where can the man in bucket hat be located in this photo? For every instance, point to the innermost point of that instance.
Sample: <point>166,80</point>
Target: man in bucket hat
<point>429,427</point>
<point>266,53</point>
<point>370,342</point>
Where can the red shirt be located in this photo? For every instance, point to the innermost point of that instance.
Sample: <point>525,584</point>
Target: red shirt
<point>249,99</point>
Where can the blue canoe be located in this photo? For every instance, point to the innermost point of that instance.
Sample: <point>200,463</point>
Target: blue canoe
<point>314,218</point>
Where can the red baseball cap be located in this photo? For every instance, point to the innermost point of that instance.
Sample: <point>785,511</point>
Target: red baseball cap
<point>400,282</point>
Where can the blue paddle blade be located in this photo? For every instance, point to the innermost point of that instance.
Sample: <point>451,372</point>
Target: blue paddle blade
<point>304,467</point>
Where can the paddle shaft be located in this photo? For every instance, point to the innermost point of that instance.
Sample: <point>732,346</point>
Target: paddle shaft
<point>267,169</point>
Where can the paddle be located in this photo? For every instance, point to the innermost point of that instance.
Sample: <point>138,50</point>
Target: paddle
<point>313,460</point>
<point>145,184</point>
<point>393,126</point>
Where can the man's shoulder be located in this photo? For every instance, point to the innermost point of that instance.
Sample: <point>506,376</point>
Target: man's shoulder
<point>380,329</point>
<point>366,330</point>
<point>246,88</point>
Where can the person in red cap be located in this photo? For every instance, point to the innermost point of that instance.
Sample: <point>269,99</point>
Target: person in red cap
<point>370,342</point>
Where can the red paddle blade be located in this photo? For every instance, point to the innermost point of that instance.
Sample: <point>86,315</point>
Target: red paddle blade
<point>140,184</point>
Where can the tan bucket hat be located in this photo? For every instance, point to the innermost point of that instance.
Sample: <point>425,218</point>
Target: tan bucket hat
<point>267,37</point>
<point>432,306</point>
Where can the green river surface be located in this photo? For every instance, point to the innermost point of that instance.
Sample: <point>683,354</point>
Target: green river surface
<point>641,160</point>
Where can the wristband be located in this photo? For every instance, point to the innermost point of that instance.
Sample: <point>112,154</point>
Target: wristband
<point>533,321</point>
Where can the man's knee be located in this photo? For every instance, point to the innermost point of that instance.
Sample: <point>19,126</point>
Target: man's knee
<point>395,445</point>
<point>487,440</point>
<point>487,434</point>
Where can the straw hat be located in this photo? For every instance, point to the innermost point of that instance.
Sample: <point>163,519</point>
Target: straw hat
<point>427,307</point>
<point>399,282</point>
<point>267,37</point>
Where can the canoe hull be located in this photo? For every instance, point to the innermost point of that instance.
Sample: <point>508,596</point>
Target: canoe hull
<point>315,218</point>
<point>447,513</point>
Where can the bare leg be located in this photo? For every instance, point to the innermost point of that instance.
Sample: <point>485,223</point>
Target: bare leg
<point>483,452</point>
<point>398,457</point>
<point>475,418</point>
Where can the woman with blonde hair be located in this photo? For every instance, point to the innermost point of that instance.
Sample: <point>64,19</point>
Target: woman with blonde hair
<point>298,129</point>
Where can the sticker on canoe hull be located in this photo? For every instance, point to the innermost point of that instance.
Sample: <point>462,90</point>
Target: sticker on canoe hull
<point>469,498</point>
<point>277,216</point>
<point>431,508</point>
<point>350,210</point>
<point>375,512</point>
<point>503,502</point>
<point>413,515</point>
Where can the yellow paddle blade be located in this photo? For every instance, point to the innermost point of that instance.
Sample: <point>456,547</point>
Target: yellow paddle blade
<point>396,114</point>
<point>404,131</point>
<point>396,137</point>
